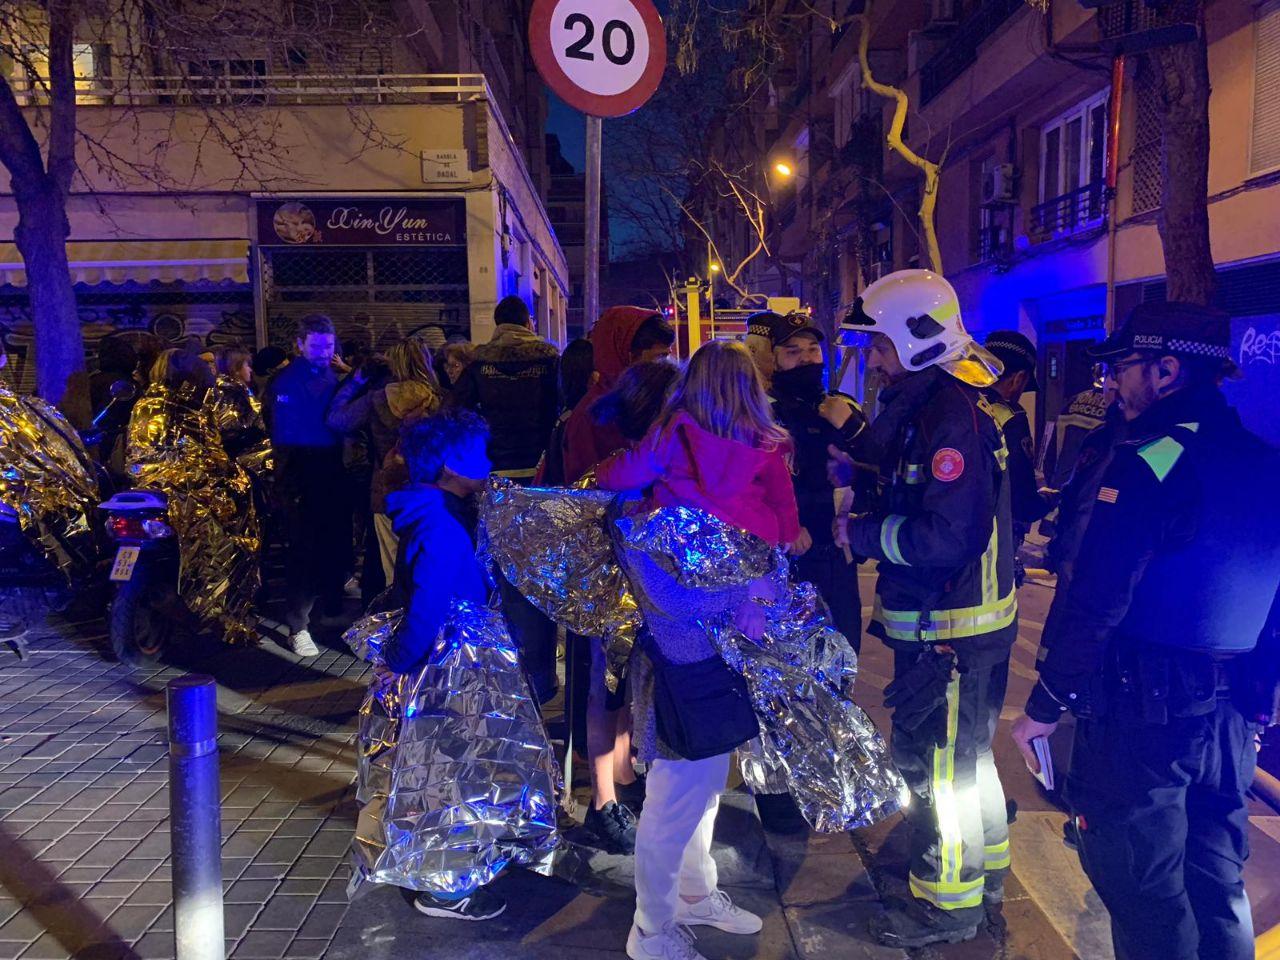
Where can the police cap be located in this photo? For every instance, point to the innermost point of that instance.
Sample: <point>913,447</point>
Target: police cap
<point>1016,352</point>
<point>1170,327</point>
<point>779,329</point>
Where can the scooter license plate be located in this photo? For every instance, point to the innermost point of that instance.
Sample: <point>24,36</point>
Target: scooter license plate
<point>126,560</point>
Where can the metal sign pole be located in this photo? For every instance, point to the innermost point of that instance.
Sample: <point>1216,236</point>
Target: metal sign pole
<point>591,250</point>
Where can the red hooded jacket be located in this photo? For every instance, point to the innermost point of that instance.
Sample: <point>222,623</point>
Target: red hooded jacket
<point>586,442</point>
<point>686,466</point>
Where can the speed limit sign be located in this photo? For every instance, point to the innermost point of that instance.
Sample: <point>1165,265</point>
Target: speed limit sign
<point>603,57</point>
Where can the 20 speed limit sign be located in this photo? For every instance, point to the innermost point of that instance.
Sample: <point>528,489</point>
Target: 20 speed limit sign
<point>603,57</point>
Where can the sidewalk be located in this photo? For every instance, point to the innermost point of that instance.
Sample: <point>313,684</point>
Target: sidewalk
<point>84,843</point>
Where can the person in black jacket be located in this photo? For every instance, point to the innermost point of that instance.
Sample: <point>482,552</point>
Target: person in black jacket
<point>512,384</point>
<point>1154,646</point>
<point>1018,354</point>
<point>311,482</point>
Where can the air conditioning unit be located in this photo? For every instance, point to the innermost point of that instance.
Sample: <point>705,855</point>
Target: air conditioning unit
<point>997,184</point>
<point>942,12</point>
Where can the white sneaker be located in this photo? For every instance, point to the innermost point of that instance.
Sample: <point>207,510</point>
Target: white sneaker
<point>673,943</point>
<point>720,912</point>
<point>302,644</point>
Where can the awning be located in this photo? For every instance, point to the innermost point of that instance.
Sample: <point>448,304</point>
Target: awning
<point>141,261</point>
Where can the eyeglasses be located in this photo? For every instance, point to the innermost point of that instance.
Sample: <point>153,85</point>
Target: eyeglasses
<point>1111,369</point>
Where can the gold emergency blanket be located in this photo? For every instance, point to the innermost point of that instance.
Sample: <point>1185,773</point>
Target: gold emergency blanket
<point>456,777</point>
<point>238,416</point>
<point>174,447</point>
<point>553,546</point>
<point>47,479</point>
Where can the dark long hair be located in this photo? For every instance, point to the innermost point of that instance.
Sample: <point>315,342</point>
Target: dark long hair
<point>637,398</point>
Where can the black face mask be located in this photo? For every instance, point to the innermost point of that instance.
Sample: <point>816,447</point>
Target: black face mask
<point>802,383</point>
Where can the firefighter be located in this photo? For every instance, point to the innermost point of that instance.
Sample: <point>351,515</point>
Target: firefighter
<point>1018,354</point>
<point>1155,647</point>
<point>940,528</point>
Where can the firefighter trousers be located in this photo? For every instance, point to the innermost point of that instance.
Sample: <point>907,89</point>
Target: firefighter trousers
<point>1164,835</point>
<point>957,815</point>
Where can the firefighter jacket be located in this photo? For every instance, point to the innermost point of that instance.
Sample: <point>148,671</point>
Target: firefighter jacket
<point>1182,552</point>
<point>1084,413</point>
<point>940,526</point>
<point>1026,501</point>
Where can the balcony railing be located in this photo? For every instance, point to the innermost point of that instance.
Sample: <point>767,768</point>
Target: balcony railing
<point>269,90</point>
<point>993,243</point>
<point>961,48</point>
<point>1070,213</point>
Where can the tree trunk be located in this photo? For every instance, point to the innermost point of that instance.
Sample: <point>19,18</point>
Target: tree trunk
<point>1183,74</point>
<point>41,237</point>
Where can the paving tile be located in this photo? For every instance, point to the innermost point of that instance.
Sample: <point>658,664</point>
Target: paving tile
<point>155,946</point>
<point>281,850</point>
<point>262,945</point>
<point>250,891</point>
<point>238,917</point>
<point>306,949</point>
<point>151,892</point>
<point>323,920</point>
<point>283,912</point>
<point>314,868</point>
<point>133,920</point>
<point>107,853</point>
<point>48,947</point>
<point>134,868</point>
<point>245,843</point>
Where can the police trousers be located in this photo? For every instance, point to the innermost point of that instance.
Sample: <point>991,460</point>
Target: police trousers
<point>1164,835</point>
<point>957,816</point>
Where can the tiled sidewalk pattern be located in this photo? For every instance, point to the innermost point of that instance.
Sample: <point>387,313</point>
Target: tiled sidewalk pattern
<point>84,833</point>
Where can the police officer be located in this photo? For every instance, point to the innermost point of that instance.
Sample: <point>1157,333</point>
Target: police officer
<point>946,604</point>
<point>1018,354</point>
<point>1153,646</point>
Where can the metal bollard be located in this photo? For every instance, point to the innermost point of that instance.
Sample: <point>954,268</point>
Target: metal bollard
<point>195,819</point>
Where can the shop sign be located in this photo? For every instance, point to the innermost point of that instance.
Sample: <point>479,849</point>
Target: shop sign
<point>438,222</point>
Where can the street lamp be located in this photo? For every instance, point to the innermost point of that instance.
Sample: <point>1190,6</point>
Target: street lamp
<point>715,268</point>
<point>783,169</point>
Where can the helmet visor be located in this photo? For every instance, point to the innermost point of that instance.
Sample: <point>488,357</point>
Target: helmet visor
<point>974,365</point>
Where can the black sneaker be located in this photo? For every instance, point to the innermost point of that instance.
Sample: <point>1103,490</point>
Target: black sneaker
<point>779,813</point>
<point>483,904</point>
<point>614,826</point>
<point>919,924</point>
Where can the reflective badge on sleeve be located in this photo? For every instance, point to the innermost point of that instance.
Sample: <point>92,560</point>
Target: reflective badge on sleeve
<point>948,464</point>
<point>1108,495</point>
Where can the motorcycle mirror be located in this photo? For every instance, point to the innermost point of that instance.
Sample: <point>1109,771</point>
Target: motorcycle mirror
<point>123,390</point>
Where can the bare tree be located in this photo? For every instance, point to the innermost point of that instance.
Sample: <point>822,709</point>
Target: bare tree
<point>181,78</point>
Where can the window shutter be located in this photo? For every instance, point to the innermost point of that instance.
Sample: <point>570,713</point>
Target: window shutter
<point>1265,154</point>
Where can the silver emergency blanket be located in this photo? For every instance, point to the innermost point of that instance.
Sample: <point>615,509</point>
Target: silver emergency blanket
<point>553,546</point>
<point>815,741</point>
<point>46,479</point>
<point>456,778</point>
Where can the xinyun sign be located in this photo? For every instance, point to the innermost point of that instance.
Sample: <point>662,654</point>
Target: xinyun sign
<point>410,223</point>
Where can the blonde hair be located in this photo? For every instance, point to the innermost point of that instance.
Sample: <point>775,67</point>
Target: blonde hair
<point>464,353</point>
<point>722,391</point>
<point>410,361</point>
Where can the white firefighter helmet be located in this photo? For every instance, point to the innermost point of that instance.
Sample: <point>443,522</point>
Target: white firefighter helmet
<point>919,311</point>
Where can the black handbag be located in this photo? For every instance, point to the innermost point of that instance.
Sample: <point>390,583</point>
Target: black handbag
<point>703,708</point>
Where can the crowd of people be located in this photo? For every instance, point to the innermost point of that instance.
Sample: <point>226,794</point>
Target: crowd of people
<point>1161,637</point>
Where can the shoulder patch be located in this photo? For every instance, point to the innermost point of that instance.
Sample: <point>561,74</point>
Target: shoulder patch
<point>1161,455</point>
<point>948,464</point>
<point>1108,495</point>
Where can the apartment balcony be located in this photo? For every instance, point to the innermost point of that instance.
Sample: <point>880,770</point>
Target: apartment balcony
<point>1071,213</point>
<point>961,49</point>
<point>245,87</point>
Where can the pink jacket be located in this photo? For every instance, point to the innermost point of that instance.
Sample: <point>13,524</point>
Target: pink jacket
<point>745,486</point>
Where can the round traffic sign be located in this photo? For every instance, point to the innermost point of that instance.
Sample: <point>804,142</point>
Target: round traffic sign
<point>603,57</point>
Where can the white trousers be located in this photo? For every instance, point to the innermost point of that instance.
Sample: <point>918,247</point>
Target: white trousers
<point>673,839</point>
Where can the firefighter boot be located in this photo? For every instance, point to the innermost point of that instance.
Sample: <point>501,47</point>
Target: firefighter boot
<point>916,923</point>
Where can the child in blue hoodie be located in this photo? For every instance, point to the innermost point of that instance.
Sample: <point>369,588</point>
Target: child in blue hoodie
<point>434,519</point>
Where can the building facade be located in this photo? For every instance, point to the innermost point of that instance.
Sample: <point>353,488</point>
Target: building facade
<point>396,183</point>
<point>1016,104</point>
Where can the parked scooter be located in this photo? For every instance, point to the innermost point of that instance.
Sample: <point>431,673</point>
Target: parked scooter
<point>146,611</point>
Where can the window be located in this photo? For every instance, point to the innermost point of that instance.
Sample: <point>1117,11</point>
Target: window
<point>228,81</point>
<point>1264,154</point>
<point>1073,149</point>
<point>89,63</point>
<point>845,93</point>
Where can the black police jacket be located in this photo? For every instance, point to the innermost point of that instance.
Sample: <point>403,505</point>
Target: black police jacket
<point>812,435</point>
<point>1026,501</point>
<point>940,526</point>
<point>512,384</point>
<point>1182,551</point>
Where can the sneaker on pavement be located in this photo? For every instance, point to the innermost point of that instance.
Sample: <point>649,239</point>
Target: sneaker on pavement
<point>302,644</point>
<point>919,924</point>
<point>720,912</point>
<point>674,942</point>
<point>614,826</point>
<point>632,794</point>
<point>483,904</point>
